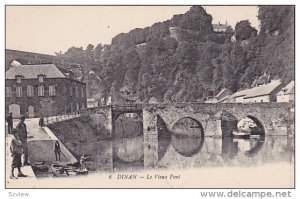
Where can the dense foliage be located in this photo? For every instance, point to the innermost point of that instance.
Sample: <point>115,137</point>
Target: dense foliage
<point>194,63</point>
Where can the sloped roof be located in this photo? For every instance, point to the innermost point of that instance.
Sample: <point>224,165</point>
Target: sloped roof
<point>32,71</point>
<point>223,91</point>
<point>240,93</point>
<point>288,89</point>
<point>263,90</point>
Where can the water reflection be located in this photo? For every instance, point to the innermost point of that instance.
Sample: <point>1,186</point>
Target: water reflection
<point>128,152</point>
<point>177,151</point>
<point>187,145</point>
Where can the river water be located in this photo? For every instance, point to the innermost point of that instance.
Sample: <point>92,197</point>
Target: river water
<point>180,152</point>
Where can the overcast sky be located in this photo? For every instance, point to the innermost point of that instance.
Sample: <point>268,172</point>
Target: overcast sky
<point>49,29</point>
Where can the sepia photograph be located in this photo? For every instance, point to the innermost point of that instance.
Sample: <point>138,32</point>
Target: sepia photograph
<point>149,96</point>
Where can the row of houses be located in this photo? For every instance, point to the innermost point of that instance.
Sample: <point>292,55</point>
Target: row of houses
<point>273,91</point>
<point>43,90</point>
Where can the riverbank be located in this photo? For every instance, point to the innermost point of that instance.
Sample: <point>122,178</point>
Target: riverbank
<point>82,137</point>
<point>40,147</point>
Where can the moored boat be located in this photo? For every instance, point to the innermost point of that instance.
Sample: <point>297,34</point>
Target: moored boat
<point>40,166</point>
<point>60,170</point>
<point>241,134</point>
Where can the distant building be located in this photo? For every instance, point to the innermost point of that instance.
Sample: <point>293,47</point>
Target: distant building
<point>238,97</point>
<point>91,102</point>
<point>220,27</point>
<point>287,93</point>
<point>43,89</point>
<point>222,96</point>
<point>262,93</point>
<point>153,100</point>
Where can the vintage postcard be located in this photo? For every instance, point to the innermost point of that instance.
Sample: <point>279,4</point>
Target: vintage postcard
<point>191,96</point>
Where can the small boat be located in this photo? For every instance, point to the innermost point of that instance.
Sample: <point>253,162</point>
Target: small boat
<point>255,136</point>
<point>78,171</point>
<point>40,166</point>
<point>241,134</point>
<point>60,170</point>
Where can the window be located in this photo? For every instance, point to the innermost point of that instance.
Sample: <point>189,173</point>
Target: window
<point>52,90</point>
<point>41,78</point>
<point>18,91</point>
<point>30,91</point>
<point>19,79</point>
<point>41,91</point>
<point>8,92</point>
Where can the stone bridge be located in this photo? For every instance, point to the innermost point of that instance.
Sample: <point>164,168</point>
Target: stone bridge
<point>274,118</point>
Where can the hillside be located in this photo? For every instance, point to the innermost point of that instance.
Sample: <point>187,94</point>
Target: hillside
<point>184,60</point>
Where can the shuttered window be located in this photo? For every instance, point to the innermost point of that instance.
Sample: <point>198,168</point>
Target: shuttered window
<point>52,90</point>
<point>8,92</point>
<point>18,91</point>
<point>30,91</point>
<point>41,91</point>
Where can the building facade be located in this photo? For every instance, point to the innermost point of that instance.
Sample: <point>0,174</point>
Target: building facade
<point>287,94</point>
<point>263,93</point>
<point>220,27</point>
<point>45,89</point>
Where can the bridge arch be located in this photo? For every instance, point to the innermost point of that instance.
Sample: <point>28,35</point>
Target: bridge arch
<point>127,125</point>
<point>188,126</point>
<point>252,122</point>
<point>117,115</point>
<point>187,136</point>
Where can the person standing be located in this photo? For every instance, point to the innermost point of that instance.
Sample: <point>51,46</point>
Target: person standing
<point>16,149</point>
<point>21,127</point>
<point>41,121</point>
<point>83,158</point>
<point>56,149</point>
<point>9,121</point>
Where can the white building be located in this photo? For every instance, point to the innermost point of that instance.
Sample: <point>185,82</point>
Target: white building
<point>287,93</point>
<point>91,102</point>
<point>238,97</point>
<point>220,27</point>
<point>263,93</point>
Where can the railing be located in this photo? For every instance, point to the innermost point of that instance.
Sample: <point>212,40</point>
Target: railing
<point>127,107</point>
<point>59,118</point>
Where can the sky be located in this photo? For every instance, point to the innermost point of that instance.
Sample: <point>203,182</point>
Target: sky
<point>50,29</point>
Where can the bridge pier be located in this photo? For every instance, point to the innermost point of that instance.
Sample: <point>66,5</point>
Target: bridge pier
<point>150,139</point>
<point>109,122</point>
<point>212,128</point>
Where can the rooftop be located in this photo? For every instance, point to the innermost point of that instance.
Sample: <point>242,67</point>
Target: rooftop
<point>32,71</point>
<point>222,91</point>
<point>265,89</point>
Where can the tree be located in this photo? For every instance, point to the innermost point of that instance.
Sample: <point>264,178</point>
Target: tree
<point>243,30</point>
<point>274,18</point>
